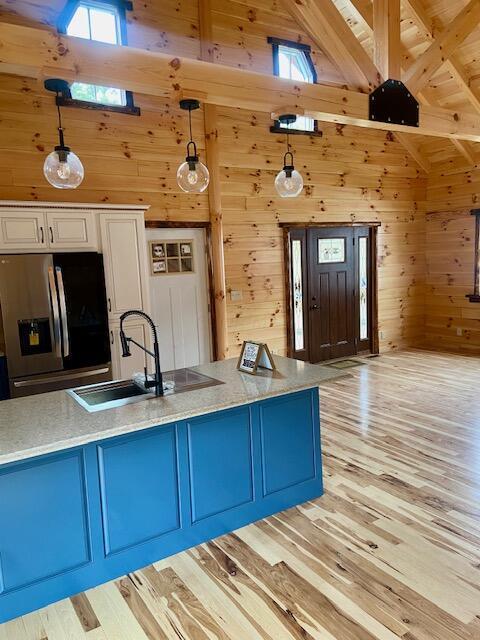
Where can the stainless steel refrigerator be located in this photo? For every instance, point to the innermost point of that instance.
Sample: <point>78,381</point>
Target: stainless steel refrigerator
<point>55,321</point>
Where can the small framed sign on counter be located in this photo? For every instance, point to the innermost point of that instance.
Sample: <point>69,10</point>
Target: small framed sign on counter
<point>253,356</point>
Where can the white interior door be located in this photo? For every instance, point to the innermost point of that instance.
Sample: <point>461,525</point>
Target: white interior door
<point>179,296</point>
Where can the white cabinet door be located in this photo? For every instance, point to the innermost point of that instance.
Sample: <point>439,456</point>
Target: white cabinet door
<point>124,368</point>
<point>22,230</point>
<point>72,230</point>
<point>123,245</point>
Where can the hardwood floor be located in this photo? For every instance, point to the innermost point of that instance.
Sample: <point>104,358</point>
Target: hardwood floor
<point>392,550</point>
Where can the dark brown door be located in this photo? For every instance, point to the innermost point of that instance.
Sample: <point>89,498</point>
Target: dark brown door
<point>332,309</point>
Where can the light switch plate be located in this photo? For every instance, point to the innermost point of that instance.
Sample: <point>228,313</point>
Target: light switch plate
<point>236,296</point>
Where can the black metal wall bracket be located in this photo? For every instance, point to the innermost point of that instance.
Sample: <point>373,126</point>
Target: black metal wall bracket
<point>393,102</point>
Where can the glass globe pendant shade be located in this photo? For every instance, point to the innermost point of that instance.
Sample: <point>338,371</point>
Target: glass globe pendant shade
<point>192,175</point>
<point>288,183</point>
<point>63,169</point>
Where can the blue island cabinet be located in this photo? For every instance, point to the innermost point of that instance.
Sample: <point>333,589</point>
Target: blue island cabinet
<point>77,518</point>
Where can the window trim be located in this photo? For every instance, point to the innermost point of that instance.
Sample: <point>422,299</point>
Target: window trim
<point>306,49</point>
<point>121,7</point>
<point>475,296</point>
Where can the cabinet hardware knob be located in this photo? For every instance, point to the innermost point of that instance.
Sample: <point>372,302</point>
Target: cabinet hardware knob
<point>110,305</point>
<point>51,234</point>
<point>314,307</point>
<point>111,337</point>
<point>42,237</point>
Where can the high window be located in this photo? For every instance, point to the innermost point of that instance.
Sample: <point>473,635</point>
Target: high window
<point>103,21</point>
<point>292,60</point>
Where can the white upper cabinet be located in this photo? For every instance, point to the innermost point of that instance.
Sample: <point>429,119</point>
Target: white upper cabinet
<point>124,255</point>
<point>55,230</point>
<point>72,230</point>
<point>22,230</point>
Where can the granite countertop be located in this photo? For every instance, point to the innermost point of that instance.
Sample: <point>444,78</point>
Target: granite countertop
<point>49,422</point>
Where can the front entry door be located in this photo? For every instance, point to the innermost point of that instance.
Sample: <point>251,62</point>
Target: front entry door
<point>331,293</point>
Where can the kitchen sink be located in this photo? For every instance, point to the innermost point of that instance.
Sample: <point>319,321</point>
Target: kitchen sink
<point>109,395</point>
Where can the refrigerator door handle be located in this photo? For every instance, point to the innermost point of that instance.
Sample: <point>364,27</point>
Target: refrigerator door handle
<point>56,313</point>
<point>48,380</point>
<point>63,312</point>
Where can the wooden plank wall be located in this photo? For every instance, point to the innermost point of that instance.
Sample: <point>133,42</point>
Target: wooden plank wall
<point>452,321</point>
<point>350,174</point>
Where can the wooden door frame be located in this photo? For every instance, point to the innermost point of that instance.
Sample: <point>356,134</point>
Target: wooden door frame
<point>166,224</point>
<point>372,276</point>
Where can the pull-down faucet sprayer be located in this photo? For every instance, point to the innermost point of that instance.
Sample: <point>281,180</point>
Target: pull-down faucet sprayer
<point>125,340</point>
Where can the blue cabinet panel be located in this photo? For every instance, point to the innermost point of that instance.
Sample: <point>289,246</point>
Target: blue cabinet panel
<point>220,462</point>
<point>44,528</point>
<point>139,488</point>
<point>287,430</point>
<point>73,520</point>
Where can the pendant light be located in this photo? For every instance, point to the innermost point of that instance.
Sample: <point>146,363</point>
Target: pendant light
<point>289,182</point>
<point>192,175</point>
<point>62,168</point>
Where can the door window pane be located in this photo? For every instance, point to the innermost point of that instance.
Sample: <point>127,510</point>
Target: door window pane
<point>363,286</point>
<point>331,250</point>
<point>298,330</point>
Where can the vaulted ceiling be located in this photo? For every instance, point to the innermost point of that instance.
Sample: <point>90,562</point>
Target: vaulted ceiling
<point>438,53</point>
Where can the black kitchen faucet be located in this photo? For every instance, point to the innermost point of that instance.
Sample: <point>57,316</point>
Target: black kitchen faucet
<point>125,340</point>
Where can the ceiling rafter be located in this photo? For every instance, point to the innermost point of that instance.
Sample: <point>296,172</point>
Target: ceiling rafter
<point>442,47</point>
<point>387,45</point>
<point>363,9</point>
<point>453,64</point>
<point>419,15</point>
<point>326,26</point>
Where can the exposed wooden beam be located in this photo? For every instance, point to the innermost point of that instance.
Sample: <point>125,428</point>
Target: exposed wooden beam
<point>364,12</point>
<point>386,37</point>
<point>334,36</point>
<point>417,11</point>
<point>425,66</point>
<point>422,20</point>
<point>409,144</point>
<point>464,149</point>
<point>214,190</point>
<point>36,52</point>
<point>318,17</point>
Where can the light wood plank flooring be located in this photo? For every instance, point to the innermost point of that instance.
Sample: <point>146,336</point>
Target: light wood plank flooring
<point>392,550</point>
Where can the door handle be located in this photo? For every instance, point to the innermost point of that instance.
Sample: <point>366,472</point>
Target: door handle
<point>42,238</point>
<point>63,312</point>
<point>111,337</point>
<point>51,235</point>
<point>48,380</point>
<point>56,313</point>
<point>109,305</point>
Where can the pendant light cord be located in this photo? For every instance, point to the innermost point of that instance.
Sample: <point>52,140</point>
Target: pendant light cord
<point>190,124</point>
<point>59,112</point>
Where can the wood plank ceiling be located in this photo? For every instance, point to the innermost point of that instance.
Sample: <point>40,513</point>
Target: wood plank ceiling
<point>438,36</point>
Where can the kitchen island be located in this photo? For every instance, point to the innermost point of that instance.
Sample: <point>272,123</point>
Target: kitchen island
<point>86,497</point>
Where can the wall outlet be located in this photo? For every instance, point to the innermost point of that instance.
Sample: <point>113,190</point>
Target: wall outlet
<point>236,296</point>
<point>459,331</point>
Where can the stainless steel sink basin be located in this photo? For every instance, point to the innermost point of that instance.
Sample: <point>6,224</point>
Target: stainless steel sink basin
<point>109,395</point>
